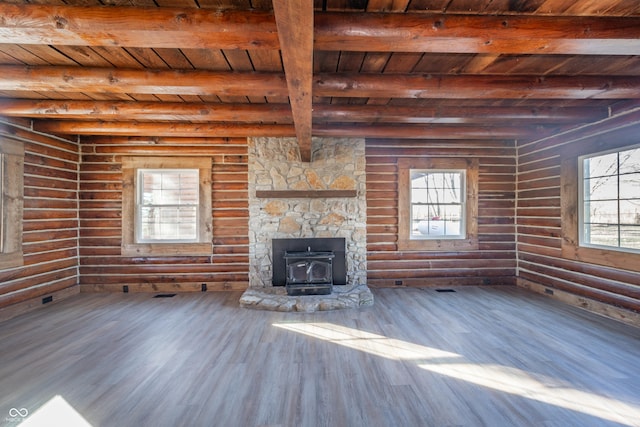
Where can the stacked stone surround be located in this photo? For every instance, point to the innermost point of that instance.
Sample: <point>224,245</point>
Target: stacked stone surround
<point>337,164</point>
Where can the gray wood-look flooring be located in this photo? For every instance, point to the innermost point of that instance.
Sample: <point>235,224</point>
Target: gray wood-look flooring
<point>475,357</point>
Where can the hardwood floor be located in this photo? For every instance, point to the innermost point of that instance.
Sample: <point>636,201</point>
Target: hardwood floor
<point>474,357</point>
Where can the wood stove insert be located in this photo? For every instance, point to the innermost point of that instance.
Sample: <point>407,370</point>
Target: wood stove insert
<point>309,272</point>
<point>331,248</point>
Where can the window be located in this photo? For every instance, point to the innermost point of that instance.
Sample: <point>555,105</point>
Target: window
<point>166,206</point>
<point>437,204</point>
<point>596,190</point>
<point>610,200</point>
<point>11,202</point>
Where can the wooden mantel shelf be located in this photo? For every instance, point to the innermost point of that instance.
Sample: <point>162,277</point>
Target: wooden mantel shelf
<point>309,194</point>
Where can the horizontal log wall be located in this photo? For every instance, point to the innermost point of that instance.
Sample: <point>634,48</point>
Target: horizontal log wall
<point>542,264</point>
<point>50,222</point>
<point>56,232</point>
<point>494,263</point>
<point>103,268</point>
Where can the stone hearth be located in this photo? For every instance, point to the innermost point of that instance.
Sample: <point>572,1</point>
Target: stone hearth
<point>337,167</point>
<point>275,298</point>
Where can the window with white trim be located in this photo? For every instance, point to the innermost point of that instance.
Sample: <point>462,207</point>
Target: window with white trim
<point>166,206</point>
<point>438,204</point>
<point>609,215</point>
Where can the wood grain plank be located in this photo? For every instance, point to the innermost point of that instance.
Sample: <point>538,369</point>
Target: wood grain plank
<point>429,351</point>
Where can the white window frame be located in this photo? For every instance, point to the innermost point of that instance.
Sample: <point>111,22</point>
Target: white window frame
<point>140,205</point>
<point>130,245</point>
<point>582,241</point>
<point>462,204</point>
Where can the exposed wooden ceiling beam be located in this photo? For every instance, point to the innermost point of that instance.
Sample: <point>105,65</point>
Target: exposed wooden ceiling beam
<point>455,33</point>
<point>193,82</point>
<point>294,19</point>
<point>164,140</point>
<point>442,132</point>
<point>137,27</point>
<point>335,113</point>
<point>446,132</point>
<point>388,32</point>
<point>475,86</point>
<point>146,111</point>
<point>167,82</point>
<point>179,129</point>
<point>281,113</point>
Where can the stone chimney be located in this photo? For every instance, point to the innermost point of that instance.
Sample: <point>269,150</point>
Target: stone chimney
<point>291,199</point>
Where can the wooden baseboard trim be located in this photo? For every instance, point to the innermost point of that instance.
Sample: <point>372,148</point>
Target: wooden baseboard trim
<point>616,313</point>
<point>441,282</point>
<point>31,304</point>
<point>164,287</point>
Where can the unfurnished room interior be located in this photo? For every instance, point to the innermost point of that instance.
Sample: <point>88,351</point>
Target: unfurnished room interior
<point>319,213</point>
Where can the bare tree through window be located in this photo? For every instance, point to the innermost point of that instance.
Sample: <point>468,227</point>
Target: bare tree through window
<point>437,204</point>
<point>610,214</point>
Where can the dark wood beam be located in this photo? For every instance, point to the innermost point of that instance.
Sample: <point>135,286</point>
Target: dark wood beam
<point>336,113</point>
<point>202,130</point>
<point>305,194</point>
<point>294,19</point>
<point>158,129</point>
<point>230,142</point>
<point>195,82</point>
<point>476,86</point>
<point>456,33</point>
<point>443,132</point>
<point>388,32</point>
<point>281,113</point>
<point>137,27</point>
<point>146,111</point>
<point>109,80</point>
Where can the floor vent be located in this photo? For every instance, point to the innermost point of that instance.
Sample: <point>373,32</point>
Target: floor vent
<point>165,296</point>
<point>445,290</point>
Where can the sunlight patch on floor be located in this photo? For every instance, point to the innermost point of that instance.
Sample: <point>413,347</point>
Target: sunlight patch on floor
<point>56,412</point>
<point>549,390</point>
<point>378,345</point>
<point>497,377</point>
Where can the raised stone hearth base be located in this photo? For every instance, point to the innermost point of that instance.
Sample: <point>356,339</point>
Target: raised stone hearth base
<point>276,299</point>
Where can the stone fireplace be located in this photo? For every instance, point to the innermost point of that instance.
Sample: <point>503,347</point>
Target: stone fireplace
<point>290,199</point>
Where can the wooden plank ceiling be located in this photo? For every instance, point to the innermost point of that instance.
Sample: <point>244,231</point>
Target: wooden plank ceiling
<point>455,70</point>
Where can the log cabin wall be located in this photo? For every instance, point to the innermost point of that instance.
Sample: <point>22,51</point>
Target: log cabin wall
<point>493,263</point>
<point>103,268</point>
<point>50,222</point>
<point>547,263</point>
